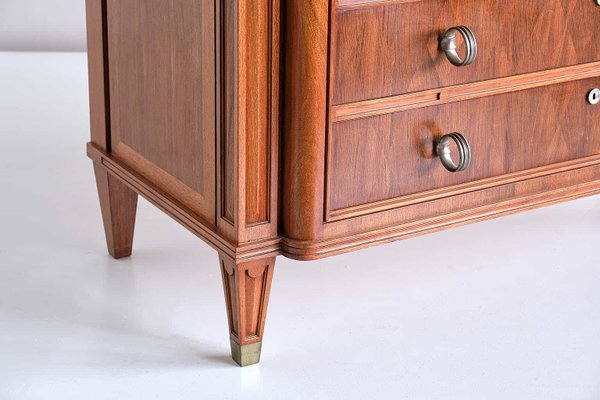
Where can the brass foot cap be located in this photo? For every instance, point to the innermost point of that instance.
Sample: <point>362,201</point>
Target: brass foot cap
<point>247,354</point>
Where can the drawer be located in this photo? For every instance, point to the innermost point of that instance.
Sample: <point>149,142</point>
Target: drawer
<point>391,48</point>
<point>387,161</point>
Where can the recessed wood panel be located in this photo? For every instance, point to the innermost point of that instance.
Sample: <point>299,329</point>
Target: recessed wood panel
<point>392,156</point>
<point>249,133</point>
<point>393,48</point>
<point>161,66</point>
<point>258,96</point>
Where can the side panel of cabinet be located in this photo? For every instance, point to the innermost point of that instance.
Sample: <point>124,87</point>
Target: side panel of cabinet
<point>185,94</point>
<point>161,64</point>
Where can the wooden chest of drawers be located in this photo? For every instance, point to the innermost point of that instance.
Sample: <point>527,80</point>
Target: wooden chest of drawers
<point>308,128</point>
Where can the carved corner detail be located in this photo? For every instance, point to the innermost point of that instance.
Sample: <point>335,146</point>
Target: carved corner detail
<point>247,286</point>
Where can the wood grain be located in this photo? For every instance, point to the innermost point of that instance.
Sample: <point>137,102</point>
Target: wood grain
<point>468,91</point>
<point>247,287</point>
<point>393,49</point>
<point>455,190</point>
<point>176,209</point>
<point>391,156</point>
<point>348,4</point>
<point>97,48</point>
<point>367,231</point>
<point>250,119</point>
<point>188,111</point>
<point>305,109</point>
<point>118,204</point>
<point>161,58</point>
<point>256,45</point>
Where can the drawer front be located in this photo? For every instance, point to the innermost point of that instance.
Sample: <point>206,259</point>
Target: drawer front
<point>382,50</point>
<point>387,161</point>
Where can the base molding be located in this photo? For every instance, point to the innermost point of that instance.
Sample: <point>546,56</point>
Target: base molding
<point>191,221</point>
<point>306,251</point>
<point>316,249</point>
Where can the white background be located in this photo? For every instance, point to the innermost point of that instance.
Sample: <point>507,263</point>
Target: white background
<point>47,25</point>
<point>503,309</point>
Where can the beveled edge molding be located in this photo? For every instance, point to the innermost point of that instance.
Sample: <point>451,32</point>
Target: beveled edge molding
<point>467,91</point>
<point>352,4</point>
<point>306,251</point>
<point>258,105</point>
<point>248,92</point>
<point>182,214</point>
<point>97,56</point>
<point>312,250</point>
<point>449,191</point>
<point>227,122</point>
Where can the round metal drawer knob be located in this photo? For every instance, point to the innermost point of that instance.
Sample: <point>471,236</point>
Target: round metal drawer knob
<point>449,45</point>
<point>444,151</point>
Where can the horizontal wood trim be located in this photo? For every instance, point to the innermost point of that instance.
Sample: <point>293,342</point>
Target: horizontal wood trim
<point>370,208</point>
<point>180,213</point>
<point>195,201</point>
<point>301,250</point>
<point>349,4</point>
<point>306,251</point>
<point>451,94</point>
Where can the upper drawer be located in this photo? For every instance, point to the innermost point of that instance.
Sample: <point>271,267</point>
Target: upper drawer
<point>380,50</point>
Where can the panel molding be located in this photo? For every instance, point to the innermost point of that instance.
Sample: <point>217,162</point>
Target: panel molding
<point>313,250</point>
<point>468,91</point>
<point>173,207</point>
<point>97,51</point>
<point>350,4</point>
<point>159,63</point>
<point>561,127</point>
<point>431,195</point>
<point>249,65</point>
<point>350,235</point>
<point>227,91</point>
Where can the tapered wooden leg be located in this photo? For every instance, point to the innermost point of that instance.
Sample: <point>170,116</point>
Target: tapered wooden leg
<point>118,204</point>
<point>247,286</point>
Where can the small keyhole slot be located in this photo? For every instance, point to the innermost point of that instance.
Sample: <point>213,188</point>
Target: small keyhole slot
<point>594,96</point>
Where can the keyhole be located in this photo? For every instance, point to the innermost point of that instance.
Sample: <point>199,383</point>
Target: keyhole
<point>594,96</point>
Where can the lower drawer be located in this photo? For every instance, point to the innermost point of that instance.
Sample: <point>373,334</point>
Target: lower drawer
<point>389,160</point>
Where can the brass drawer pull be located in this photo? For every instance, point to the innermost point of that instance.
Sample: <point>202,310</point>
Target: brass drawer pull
<point>449,45</point>
<point>443,150</point>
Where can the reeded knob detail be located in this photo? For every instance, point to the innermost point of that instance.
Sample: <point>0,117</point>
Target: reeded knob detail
<point>449,45</point>
<point>444,151</point>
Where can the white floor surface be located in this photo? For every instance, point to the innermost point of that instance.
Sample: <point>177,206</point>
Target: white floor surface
<point>504,309</point>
